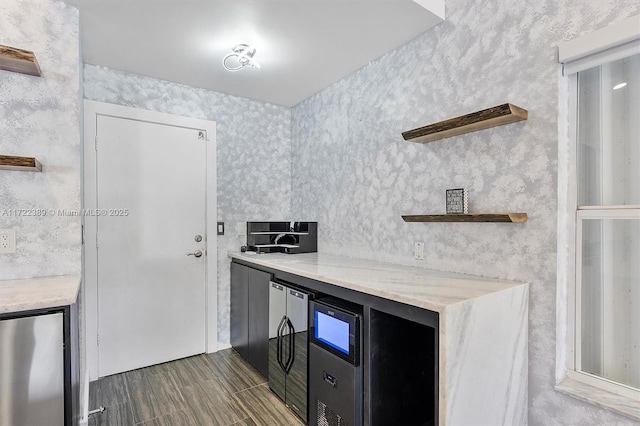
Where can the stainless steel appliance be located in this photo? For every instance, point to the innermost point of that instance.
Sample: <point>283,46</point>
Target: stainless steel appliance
<point>288,343</point>
<point>335,365</point>
<point>32,371</point>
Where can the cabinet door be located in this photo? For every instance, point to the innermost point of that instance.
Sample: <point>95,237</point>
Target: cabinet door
<point>259,320</point>
<point>240,309</point>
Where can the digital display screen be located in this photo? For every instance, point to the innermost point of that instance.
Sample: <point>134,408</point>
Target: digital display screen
<point>332,331</point>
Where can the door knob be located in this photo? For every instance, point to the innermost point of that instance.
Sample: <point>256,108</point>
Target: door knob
<point>197,253</point>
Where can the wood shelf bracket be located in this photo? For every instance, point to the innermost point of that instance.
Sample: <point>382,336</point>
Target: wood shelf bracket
<point>26,164</point>
<point>480,120</point>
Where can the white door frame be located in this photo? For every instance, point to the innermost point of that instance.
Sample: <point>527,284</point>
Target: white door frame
<point>92,109</point>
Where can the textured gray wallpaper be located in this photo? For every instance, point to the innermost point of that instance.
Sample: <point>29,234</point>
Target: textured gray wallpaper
<point>253,152</point>
<point>39,117</point>
<point>348,166</point>
<point>355,175</point>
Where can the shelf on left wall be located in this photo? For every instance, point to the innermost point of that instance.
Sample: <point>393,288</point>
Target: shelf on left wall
<point>26,164</point>
<point>19,60</point>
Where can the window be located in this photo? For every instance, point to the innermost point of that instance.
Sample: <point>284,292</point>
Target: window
<point>607,289</point>
<point>602,197</point>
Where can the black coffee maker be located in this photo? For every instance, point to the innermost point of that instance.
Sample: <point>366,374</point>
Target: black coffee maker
<point>282,237</point>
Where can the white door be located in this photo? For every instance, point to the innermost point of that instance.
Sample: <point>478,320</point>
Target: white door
<point>151,188</point>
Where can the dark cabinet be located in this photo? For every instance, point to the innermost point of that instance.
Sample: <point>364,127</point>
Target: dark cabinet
<point>240,309</point>
<point>259,320</point>
<point>250,315</point>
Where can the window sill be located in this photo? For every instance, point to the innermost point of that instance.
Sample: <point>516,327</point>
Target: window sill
<point>602,398</point>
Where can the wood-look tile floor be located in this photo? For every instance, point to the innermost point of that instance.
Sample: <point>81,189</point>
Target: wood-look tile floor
<point>215,389</point>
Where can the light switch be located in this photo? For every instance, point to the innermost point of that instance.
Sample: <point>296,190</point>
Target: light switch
<point>220,228</point>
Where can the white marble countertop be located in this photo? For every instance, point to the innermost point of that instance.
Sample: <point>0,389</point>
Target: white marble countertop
<point>424,288</point>
<point>38,293</point>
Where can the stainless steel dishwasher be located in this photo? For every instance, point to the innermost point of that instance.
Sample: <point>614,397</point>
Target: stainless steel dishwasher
<point>32,370</point>
<point>288,343</point>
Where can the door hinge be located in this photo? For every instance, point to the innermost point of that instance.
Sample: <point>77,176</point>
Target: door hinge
<point>96,143</point>
<point>96,240</point>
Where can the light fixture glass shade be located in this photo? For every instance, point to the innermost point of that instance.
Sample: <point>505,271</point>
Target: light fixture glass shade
<point>240,57</point>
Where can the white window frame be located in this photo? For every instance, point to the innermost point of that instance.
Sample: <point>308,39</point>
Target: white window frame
<point>602,46</point>
<point>574,362</point>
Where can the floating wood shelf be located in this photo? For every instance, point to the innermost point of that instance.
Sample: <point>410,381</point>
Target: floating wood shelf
<point>27,164</point>
<point>474,217</point>
<point>18,60</point>
<point>480,120</point>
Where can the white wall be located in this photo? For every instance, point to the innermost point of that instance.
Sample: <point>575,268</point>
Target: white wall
<point>39,117</point>
<point>354,173</point>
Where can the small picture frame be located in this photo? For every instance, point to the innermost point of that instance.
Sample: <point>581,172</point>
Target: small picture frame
<point>457,202</point>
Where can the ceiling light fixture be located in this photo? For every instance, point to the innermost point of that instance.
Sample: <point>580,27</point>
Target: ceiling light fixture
<point>242,54</point>
<point>619,86</point>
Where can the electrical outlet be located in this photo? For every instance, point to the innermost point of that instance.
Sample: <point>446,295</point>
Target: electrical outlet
<point>7,240</point>
<point>418,250</point>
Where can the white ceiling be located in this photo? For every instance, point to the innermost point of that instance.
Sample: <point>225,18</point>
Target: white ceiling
<point>302,45</point>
